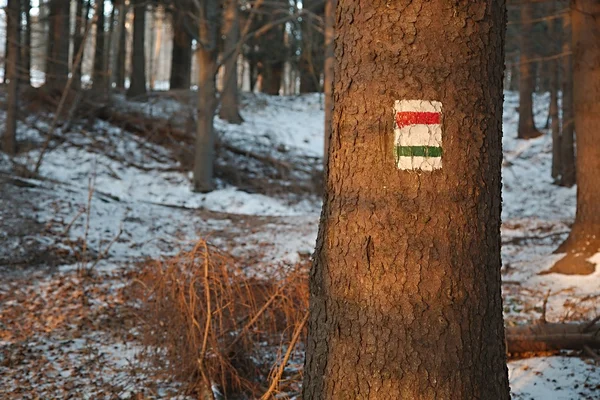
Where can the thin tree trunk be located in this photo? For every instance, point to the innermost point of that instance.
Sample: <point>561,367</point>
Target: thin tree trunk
<point>110,49</point>
<point>13,23</point>
<point>330,6</point>
<point>585,233</point>
<point>80,23</point>
<point>568,177</point>
<point>527,129</point>
<point>229,97</point>
<point>553,113</point>
<point>99,73</point>
<point>158,28</point>
<point>57,64</point>
<point>207,96</point>
<point>122,47</point>
<point>181,56</point>
<point>514,76</point>
<point>405,286</point>
<point>137,81</point>
<point>26,48</point>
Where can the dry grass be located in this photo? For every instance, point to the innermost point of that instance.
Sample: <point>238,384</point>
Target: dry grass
<point>206,323</point>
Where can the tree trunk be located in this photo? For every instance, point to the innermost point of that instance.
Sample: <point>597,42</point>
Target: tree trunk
<point>330,7</point>
<point>13,24</point>
<point>272,72</point>
<point>207,99</point>
<point>553,112</point>
<point>137,81</point>
<point>514,76</point>
<point>229,98</point>
<point>57,64</point>
<point>311,59</point>
<point>568,176</point>
<point>122,47</point>
<point>527,128</point>
<point>584,238</point>
<point>80,22</point>
<point>99,73</point>
<point>405,286</point>
<point>550,337</point>
<point>181,56</point>
<point>26,48</point>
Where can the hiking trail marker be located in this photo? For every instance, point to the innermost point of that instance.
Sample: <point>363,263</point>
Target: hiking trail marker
<point>418,135</point>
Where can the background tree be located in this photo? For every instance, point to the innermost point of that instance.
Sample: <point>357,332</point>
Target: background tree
<point>229,97</point>
<point>57,63</point>
<point>567,156</point>
<point>13,25</point>
<point>122,45</point>
<point>207,100</point>
<point>555,39</point>
<point>25,61</point>
<point>311,60</point>
<point>100,81</point>
<point>181,55</point>
<point>408,261</point>
<point>137,79</point>
<point>527,129</point>
<point>584,239</point>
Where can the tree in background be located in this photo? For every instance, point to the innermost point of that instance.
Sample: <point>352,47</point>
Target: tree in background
<point>527,129</point>
<point>555,39</point>
<point>181,54</point>
<point>57,60</point>
<point>207,53</point>
<point>13,25</point>
<point>25,61</point>
<point>584,239</point>
<point>229,97</point>
<point>408,254</point>
<point>119,69</point>
<point>311,59</point>
<point>567,157</point>
<point>99,76</point>
<point>137,80</point>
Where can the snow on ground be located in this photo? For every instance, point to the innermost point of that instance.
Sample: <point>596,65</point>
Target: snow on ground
<point>145,208</point>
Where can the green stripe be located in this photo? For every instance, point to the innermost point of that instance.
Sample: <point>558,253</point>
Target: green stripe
<point>418,151</point>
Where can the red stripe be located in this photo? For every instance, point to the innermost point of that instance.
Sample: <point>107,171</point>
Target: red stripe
<point>405,118</point>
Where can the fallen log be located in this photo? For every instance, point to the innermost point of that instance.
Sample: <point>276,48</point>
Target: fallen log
<point>544,336</point>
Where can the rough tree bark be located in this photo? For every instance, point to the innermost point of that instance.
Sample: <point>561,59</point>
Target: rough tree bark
<point>527,129</point>
<point>207,100</point>
<point>13,24</point>
<point>137,80</point>
<point>229,97</point>
<point>181,55</point>
<point>584,239</point>
<point>57,62</point>
<point>25,61</point>
<point>99,77</point>
<point>405,286</point>
<point>568,176</point>
<point>330,6</point>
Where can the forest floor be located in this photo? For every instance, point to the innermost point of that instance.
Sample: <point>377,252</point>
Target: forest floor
<point>107,200</point>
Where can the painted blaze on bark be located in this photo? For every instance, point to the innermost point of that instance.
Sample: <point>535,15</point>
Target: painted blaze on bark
<point>405,287</point>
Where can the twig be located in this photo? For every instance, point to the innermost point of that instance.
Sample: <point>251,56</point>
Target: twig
<point>591,324</point>
<point>207,324</point>
<point>544,307</point>
<point>277,377</point>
